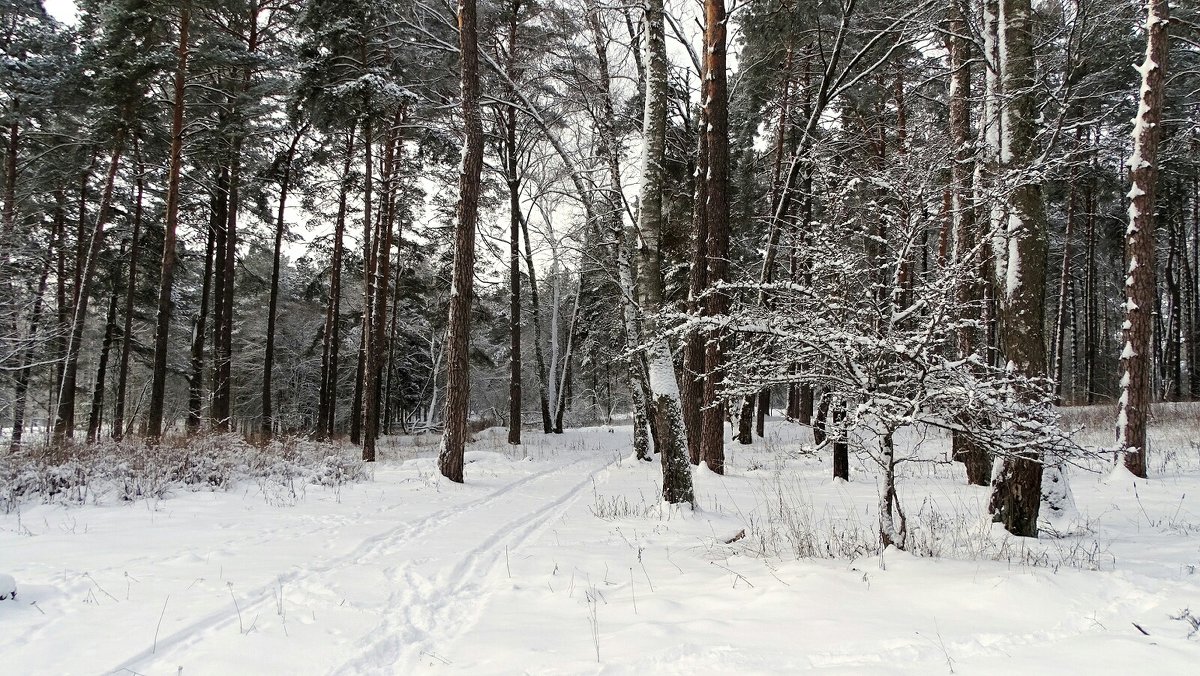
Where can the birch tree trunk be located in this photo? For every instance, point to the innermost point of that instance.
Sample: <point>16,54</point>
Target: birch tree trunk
<point>672,437</point>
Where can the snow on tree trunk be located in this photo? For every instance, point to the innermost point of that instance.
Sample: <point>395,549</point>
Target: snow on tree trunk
<point>1020,239</point>
<point>1133,407</point>
<point>963,227</point>
<point>672,437</point>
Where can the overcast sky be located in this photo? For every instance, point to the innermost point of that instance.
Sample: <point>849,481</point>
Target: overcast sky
<point>63,10</point>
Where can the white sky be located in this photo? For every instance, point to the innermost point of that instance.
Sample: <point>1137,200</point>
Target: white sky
<point>63,10</point>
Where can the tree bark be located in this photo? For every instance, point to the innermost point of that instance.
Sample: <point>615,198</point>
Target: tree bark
<point>458,337</point>
<point>135,249</point>
<point>970,341</point>
<point>672,437</point>
<point>158,387</point>
<point>1020,250</point>
<point>327,404</point>
<point>1133,407</point>
<point>64,423</point>
<point>267,427</point>
<point>196,374</point>
<point>96,415</point>
<point>712,438</point>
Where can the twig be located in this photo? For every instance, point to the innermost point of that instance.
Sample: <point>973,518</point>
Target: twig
<point>633,590</point>
<point>736,574</point>
<point>154,648</point>
<point>238,609</point>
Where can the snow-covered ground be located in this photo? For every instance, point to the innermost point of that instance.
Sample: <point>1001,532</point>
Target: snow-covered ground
<point>557,557</point>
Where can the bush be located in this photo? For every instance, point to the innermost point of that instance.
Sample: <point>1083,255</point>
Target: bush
<point>132,469</point>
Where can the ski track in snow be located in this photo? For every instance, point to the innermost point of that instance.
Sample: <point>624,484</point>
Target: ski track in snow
<point>421,609</point>
<point>422,612</point>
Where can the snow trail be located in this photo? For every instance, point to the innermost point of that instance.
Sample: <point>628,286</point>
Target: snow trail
<point>405,584</point>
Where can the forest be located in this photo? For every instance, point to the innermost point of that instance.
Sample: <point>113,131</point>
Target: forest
<point>355,219</point>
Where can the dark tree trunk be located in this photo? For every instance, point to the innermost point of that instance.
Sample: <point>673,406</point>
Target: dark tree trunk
<point>327,405</point>
<point>1016,487</point>
<point>267,427</point>
<point>135,249</point>
<point>196,374</point>
<point>547,422</point>
<point>21,384</point>
<point>96,415</point>
<point>712,438</point>
<point>64,423</point>
<point>693,352</point>
<point>1133,408</point>
<point>458,335</point>
<point>158,387</point>
<point>970,340</point>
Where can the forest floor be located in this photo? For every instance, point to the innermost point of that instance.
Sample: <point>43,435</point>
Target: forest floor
<point>557,557</point>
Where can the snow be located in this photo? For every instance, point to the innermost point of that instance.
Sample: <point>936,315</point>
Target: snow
<point>558,557</point>
<point>8,587</point>
<point>1128,352</point>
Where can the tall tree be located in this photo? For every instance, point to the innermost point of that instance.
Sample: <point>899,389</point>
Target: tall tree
<point>716,214</point>
<point>1020,243</point>
<point>458,401</point>
<point>1133,408</point>
<point>672,436</point>
<point>158,388</point>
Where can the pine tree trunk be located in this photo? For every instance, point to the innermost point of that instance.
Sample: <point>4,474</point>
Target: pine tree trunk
<point>712,438</point>
<point>135,249</point>
<point>327,404</point>
<point>158,387</point>
<point>96,415</point>
<point>1133,408</point>
<point>693,351</point>
<point>514,272</point>
<point>64,423</point>
<point>458,336</point>
<point>199,322</point>
<point>21,384</point>
<point>1020,251</point>
<point>371,229</point>
<point>267,427</point>
<point>970,340</point>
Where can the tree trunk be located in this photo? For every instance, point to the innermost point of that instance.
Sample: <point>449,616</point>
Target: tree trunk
<point>458,336</point>
<point>672,437</point>
<point>712,438</point>
<point>21,385</point>
<point>543,395</point>
<point>327,404</point>
<point>1133,408</point>
<point>196,374</point>
<point>268,416</point>
<point>970,340</point>
<point>693,351</point>
<point>1020,251</point>
<point>158,388</point>
<point>96,415</point>
<point>64,423</point>
<point>135,249</point>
